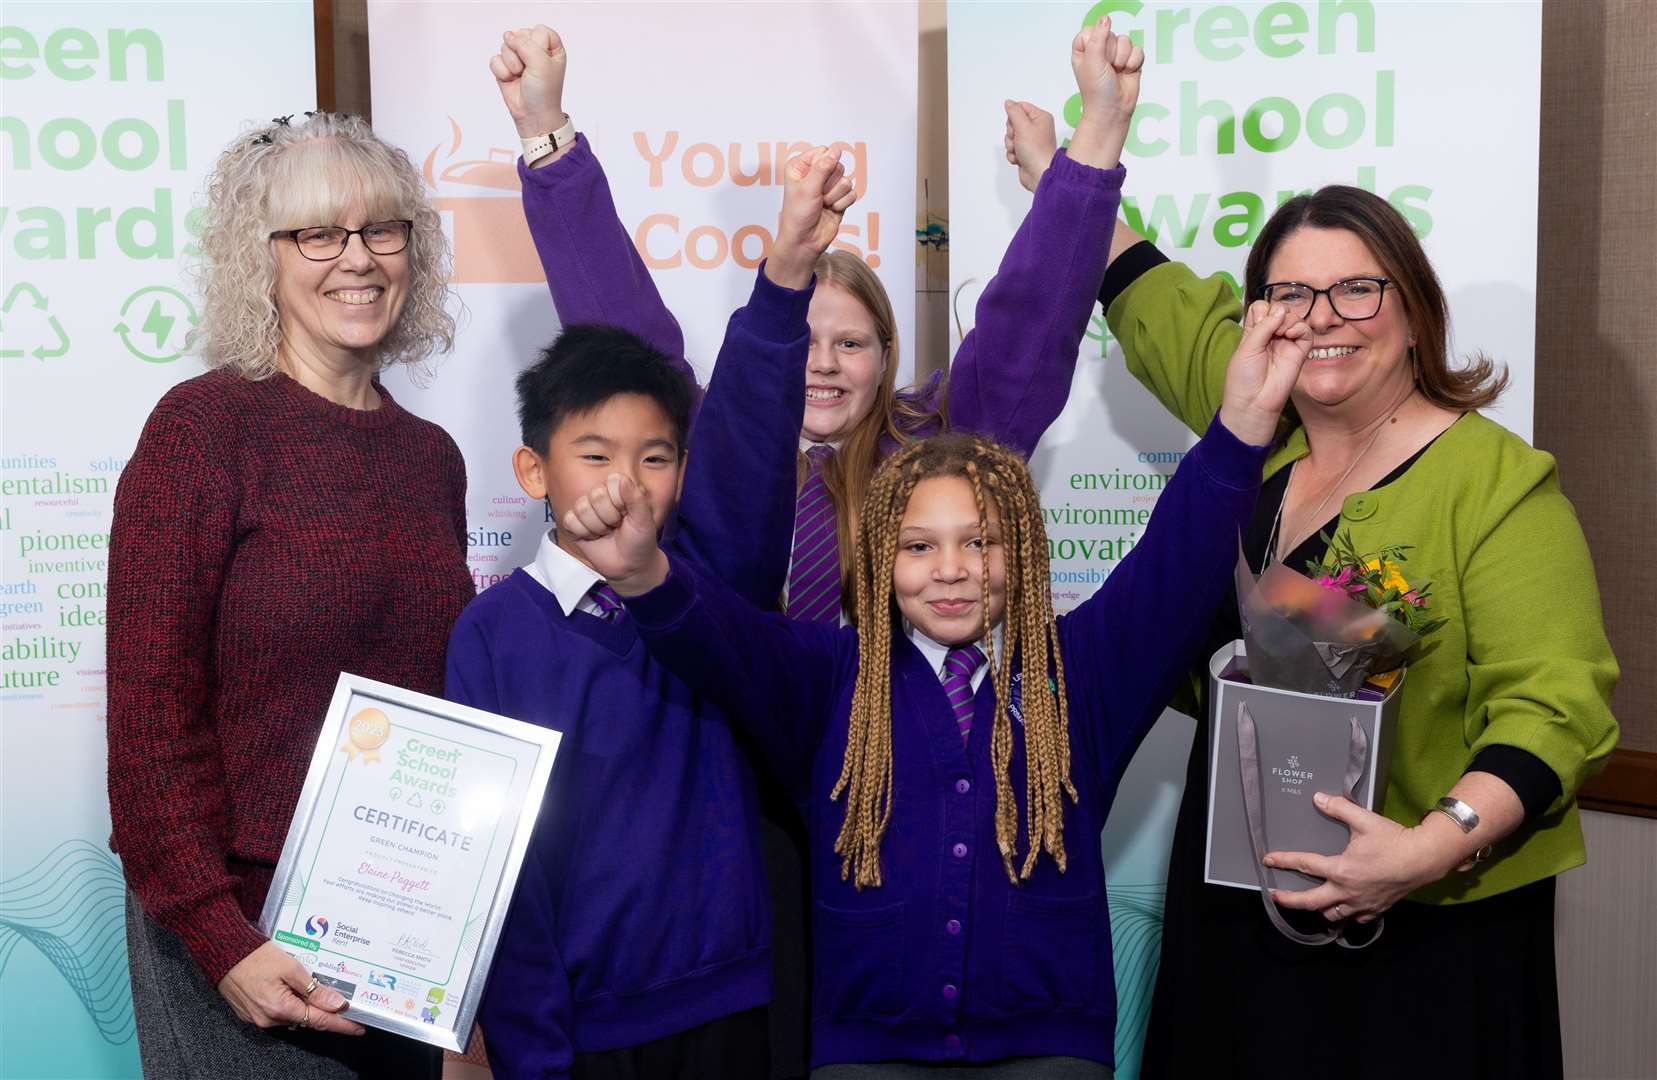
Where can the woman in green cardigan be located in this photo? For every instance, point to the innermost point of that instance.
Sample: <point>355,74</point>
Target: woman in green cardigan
<point>1504,715</point>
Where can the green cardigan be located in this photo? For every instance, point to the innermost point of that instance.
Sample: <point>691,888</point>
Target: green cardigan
<point>1523,660</point>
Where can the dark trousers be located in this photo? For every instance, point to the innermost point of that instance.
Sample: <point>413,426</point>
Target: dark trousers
<point>730,1048</point>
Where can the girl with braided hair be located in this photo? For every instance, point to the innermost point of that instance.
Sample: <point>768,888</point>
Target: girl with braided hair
<point>943,747</point>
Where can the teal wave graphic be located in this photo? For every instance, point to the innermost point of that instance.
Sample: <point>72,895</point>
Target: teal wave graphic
<point>72,907</point>
<point>1136,949</point>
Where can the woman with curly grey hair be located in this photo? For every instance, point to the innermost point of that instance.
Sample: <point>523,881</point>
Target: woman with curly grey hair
<point>282,519</point>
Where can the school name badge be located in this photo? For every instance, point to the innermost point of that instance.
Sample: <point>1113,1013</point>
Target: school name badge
<point>403,853</point>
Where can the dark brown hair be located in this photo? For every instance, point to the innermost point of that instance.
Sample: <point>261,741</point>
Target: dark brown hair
<point>1389,238</point>
<point>998,477</point>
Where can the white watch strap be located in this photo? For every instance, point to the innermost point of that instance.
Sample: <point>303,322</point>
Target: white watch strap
<point>541,145</point>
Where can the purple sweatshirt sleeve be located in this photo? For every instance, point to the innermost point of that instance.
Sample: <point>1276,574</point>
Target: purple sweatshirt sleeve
<point>775,678</point>
<point>1141,632</point>
<point>528,1009</point>
<point>736,517</point>
<point>592,268</point>
<point>1012,373</point>
<point>528,1006</point>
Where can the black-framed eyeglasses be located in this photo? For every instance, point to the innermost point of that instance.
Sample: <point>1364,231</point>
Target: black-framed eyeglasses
<point>1353,299</point>
<point>323,242</point>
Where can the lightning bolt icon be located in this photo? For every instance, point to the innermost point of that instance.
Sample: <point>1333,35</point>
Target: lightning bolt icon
<point>158,324</point>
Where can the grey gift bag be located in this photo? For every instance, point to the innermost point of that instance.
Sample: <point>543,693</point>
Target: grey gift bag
<point>1269,751</point>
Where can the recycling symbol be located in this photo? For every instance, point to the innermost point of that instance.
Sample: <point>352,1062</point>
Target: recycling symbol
<point>154,323</point>
<point>24,321</point>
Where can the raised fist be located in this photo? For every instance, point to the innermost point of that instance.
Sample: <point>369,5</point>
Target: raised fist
<point>614,528</point>
<point>1263,371</point>
<point>529,71</point>
<point>1106,67</point>
<point>815,196</point>
<point>1031,141</point>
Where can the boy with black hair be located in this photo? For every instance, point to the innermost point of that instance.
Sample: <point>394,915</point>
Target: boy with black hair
<point>638,940</point>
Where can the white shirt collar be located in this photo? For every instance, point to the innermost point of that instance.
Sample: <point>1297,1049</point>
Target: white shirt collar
<point>806,444</point>
<point>936,652</point>
<point>563,575</point>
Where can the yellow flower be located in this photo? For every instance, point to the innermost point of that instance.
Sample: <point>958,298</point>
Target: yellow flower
<point>1393,579</point>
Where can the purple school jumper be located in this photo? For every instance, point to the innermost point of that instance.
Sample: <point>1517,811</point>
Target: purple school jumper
<point>642,907</point>
<point>947,961</point>
<point>1011,375</point>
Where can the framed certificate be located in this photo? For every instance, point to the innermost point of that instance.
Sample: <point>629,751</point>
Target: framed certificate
<point>403,854</point>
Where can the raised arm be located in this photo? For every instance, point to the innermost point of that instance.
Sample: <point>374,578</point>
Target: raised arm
<point>736,518</point>
<point>1182,567</point>
<point>1177,331</point>
<point>775,678</point>
<point>592,267</point>
<point>1012,373</point>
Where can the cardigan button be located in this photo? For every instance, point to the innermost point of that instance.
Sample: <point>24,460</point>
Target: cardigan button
<point>1360,506</point>
<point>962,786</point>
<point>950,991</point>
<point>959,851</point>
<point>953,926</point>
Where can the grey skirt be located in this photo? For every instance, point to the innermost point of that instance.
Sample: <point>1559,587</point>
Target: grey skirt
<point>187,1030</point>
<point>1030,1068</point>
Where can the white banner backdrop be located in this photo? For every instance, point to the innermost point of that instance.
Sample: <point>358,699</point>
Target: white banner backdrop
<point>1434,106</point>
<point>112,116</point>
<point>675,99</point>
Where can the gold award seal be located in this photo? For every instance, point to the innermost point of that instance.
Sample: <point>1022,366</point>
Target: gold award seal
<point>366,732</point>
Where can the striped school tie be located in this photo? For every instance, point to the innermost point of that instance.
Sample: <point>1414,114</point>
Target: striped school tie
<point>814,574</point>
<point>610,607</point>
<point>959,667</point>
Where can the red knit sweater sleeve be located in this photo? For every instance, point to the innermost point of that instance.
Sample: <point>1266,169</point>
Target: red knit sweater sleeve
<point>171,540</point>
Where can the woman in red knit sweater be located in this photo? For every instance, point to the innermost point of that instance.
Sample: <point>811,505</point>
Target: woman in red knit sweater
<point>281,520</point>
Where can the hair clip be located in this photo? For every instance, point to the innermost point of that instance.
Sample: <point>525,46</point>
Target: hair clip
<point>261,139</point>
<point>283,120</point>
<point>311,114</point>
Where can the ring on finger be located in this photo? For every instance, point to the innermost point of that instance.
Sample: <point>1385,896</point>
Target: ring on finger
<point>305,1021</point>
<point>309,987</point>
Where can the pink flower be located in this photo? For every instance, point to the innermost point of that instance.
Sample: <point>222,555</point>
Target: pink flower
<point>1341,582</point>
<point>1416,600</point>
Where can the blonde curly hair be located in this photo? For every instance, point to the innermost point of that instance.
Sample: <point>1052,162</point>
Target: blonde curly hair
<point>293,174</point>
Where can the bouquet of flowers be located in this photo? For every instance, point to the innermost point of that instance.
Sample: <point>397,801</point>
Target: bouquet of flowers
<point>1355,618</point>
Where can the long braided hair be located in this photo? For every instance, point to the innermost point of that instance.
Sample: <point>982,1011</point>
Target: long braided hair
<point>1000,479</point>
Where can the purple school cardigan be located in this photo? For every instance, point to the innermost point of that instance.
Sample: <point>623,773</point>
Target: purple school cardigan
<point>947,960</point>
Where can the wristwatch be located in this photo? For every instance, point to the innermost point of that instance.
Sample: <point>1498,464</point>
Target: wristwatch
<point>1466,819</point>
<point>541,145</point>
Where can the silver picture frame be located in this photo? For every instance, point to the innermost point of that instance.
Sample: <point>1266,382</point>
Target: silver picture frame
<point>351,925</point>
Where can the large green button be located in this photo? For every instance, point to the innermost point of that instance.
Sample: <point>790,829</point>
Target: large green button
<point>1360,506</point>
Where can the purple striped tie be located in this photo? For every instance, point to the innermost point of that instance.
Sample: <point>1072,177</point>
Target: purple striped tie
<point>959,667</point>
<point>610,607</point>
<point>814,575</point>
